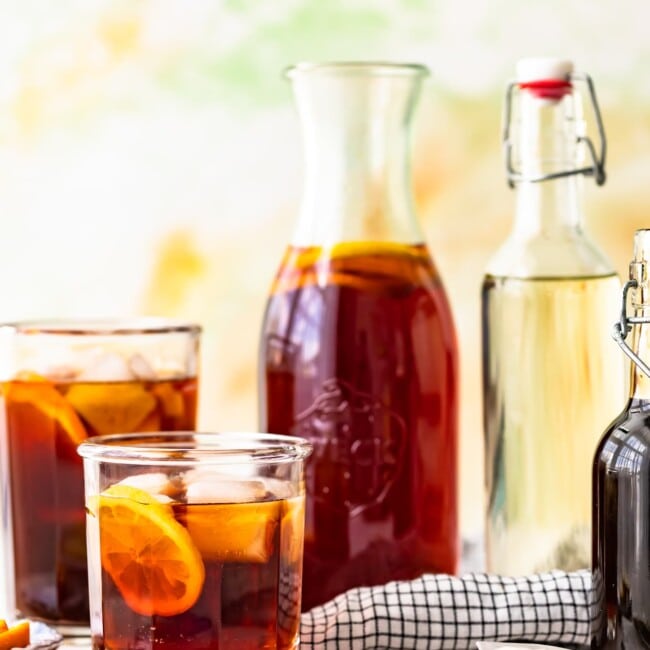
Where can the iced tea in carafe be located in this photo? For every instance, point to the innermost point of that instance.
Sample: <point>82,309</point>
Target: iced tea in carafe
<point>358,351</point>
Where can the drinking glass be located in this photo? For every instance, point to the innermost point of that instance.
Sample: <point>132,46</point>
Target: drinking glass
<point>63,383</point>
<point>195,540</point>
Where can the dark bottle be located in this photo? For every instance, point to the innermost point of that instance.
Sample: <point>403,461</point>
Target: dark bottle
<point>358,351</point>
<point>621,486</point>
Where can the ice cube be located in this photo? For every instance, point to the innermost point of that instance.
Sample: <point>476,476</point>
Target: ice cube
<point>205,485</point>
<point>109,366</point>
<point>278,488</point>
<point>158,485</point>
<point>61,373</point>
<point>141,368</point>
<point>171,400</point>
<point>170,373</point>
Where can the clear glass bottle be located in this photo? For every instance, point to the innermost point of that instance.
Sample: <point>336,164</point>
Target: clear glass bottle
<point>621,486</point>
<point>552,378</point>
<point>358,350</point>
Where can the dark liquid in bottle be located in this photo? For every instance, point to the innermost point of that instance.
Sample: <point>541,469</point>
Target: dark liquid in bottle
<point>359,356</point>
<point>621,524</point>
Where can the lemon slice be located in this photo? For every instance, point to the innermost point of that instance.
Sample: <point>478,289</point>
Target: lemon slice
<point>150,557</point>
<point>234,532</point>
<point>112,408</point>
<point>37,392</point>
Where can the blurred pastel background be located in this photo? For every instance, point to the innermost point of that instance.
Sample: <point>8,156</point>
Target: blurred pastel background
<point>150,157</point>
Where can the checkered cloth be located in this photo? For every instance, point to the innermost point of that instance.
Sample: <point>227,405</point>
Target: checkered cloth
<point>443,612</point>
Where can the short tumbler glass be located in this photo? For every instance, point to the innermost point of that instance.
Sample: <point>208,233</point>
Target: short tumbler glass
<point>63,382</point>
<point>195,540</point>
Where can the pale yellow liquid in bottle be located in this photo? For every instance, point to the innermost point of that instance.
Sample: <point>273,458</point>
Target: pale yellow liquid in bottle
<point>552,381</point>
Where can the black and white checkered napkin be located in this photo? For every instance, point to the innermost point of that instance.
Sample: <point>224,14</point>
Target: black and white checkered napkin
<point>444,612</point>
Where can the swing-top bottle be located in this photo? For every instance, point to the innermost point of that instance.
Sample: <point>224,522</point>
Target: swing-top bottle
<point>552,377</point>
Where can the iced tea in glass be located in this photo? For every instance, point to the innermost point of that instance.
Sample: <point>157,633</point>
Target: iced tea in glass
<point>65,383</point>
<point>195,540</point>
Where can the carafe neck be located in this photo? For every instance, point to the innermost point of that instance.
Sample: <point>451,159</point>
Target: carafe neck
<point>357,184</point>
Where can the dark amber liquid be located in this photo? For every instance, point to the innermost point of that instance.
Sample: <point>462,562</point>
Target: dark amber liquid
<point>358,355</point>
<point>621,533</point>
<point>243,605</point>
<point>46,479</point>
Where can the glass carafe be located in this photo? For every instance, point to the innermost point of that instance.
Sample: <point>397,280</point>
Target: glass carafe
<point>358,349</point>
<point>552,378</point>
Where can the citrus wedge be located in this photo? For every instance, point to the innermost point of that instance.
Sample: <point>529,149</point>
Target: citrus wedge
<point>35,391</point>
<point>3,625</point>
<point>149,556</point>
<point>112,407</point>
<point>173,404</point>
<point>16,636</point>
<point>150,423</point>
<point>234,532</point>
<point>293,529</point>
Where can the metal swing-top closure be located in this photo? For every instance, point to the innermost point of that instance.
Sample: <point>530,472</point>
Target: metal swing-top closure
<point>636,290</point>
<point>550,80</point>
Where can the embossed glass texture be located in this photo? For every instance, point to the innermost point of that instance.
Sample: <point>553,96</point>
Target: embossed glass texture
<point>358,350</point>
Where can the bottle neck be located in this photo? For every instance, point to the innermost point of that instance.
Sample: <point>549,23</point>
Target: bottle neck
<point>546,143</point>
<point>639,381</point>
<point>357,184</point>
<point>636,301</point>
<point>551,208</point>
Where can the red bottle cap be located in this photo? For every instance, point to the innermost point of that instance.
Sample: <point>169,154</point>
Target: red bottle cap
<point>545,77</point>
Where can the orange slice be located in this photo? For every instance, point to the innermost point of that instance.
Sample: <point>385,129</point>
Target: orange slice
<point>37,392</point>
<point>149,556</point>
<point>16,636</point>
<point>234,532</point>
<point>150,423</point>
<point>112,408</point>
<point>172,401</point>
<point>292,529</point>
<point>3,625</point>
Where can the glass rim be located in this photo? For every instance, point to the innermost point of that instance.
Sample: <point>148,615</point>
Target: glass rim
<point>102,326</point>
<point>187,447</point>
<point>369,68</point>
